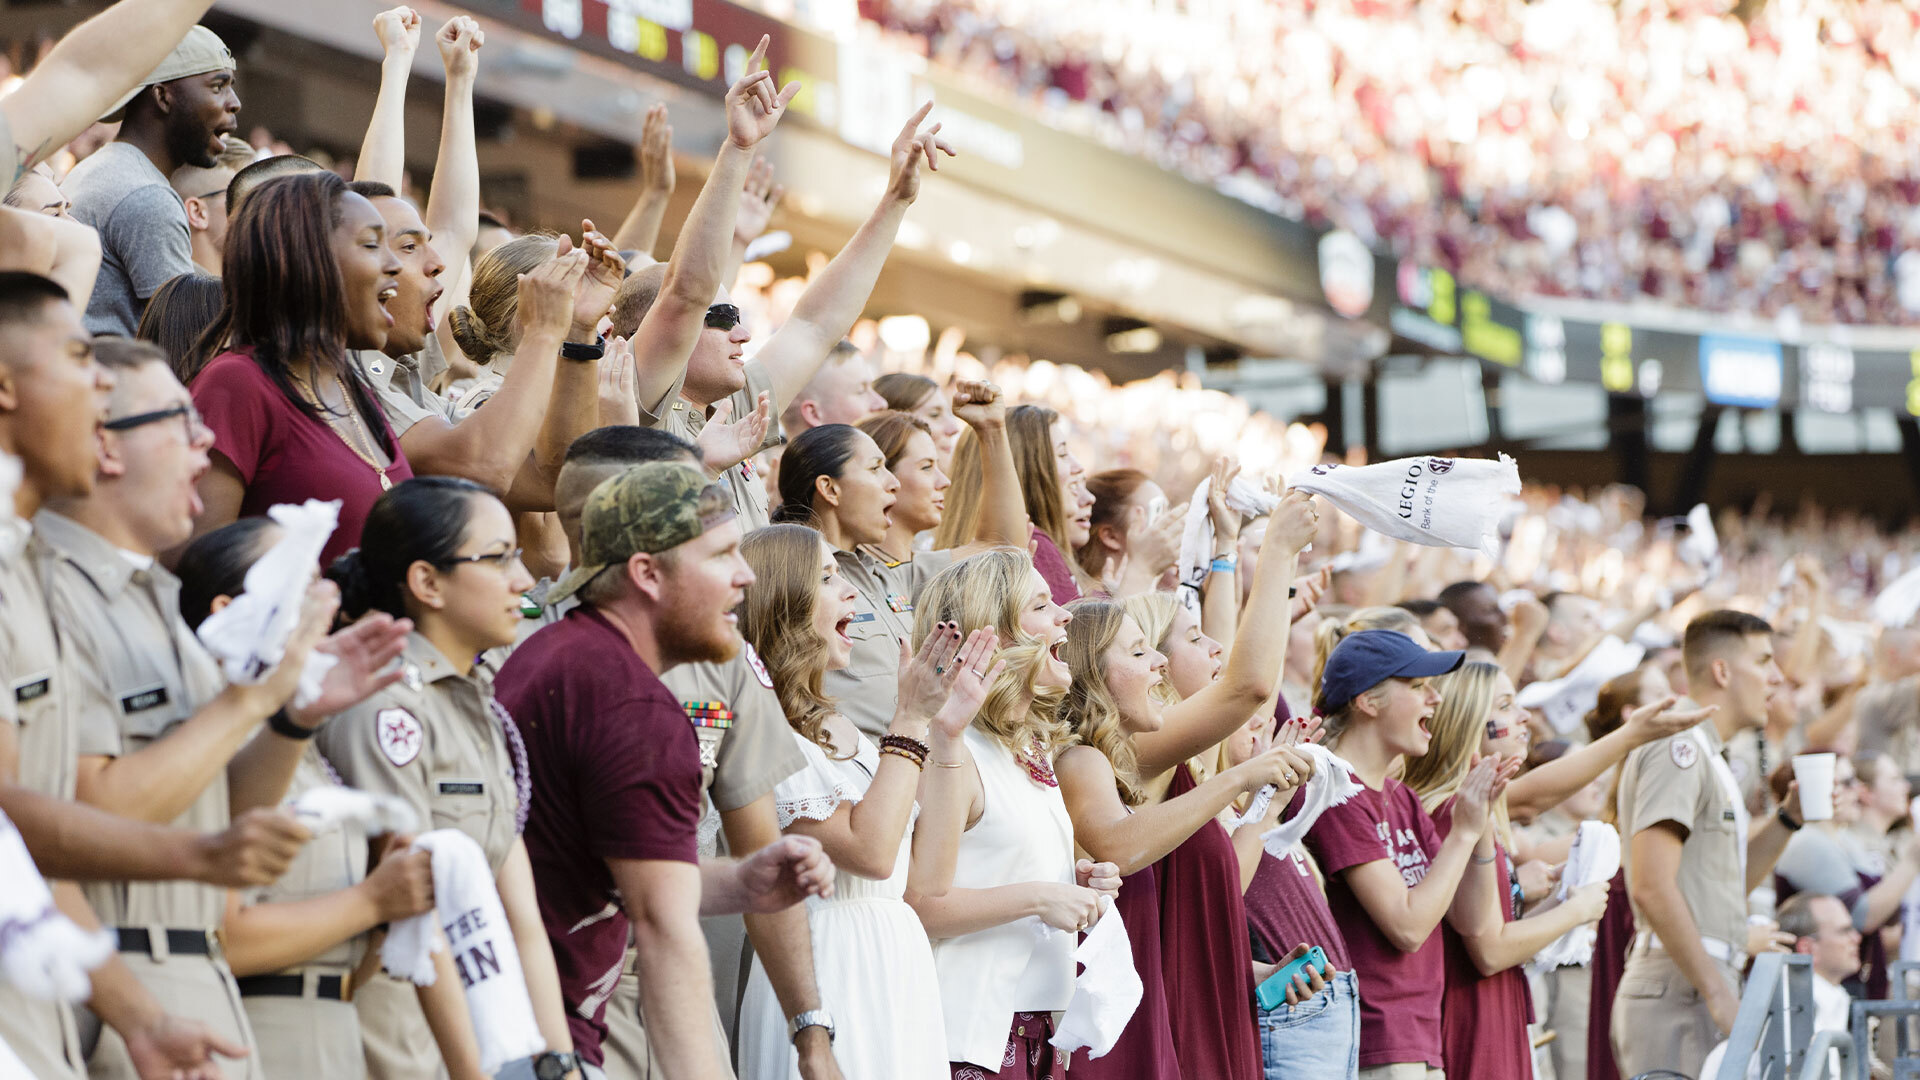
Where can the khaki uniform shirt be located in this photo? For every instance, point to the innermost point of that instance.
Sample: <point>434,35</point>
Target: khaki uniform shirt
<point>678,416</point>
<point>868,687</point>
<point>400,385</point>
<point>754,750</point>
<point>1671,779</point>
<point>138,673</point>
<point>435,740</point>
<point>334,859</point>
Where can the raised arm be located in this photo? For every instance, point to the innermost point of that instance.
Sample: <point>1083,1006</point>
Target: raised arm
<point>1408,916</point>
<point>59,248</point>
<point>1548,786</point>
<point>1220,597</point>
<point>453,203</point>
<point>664,341</point>
<point>1252,669</point>
<point>383,151</point>
<point>1529,622</point>
<point>89,69</point>
<point>758,200</point>
<point>1003,510</point>
<point>827,310</point>
<point>1131,840</point>
<point>641,231</point>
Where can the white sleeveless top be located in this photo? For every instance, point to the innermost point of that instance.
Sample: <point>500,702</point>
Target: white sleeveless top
<point>1022,966</point>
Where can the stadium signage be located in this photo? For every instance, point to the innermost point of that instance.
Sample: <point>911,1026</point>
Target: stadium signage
<point>1740,371</point>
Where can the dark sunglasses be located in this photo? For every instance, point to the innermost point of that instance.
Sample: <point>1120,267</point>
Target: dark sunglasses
<point>189,415</point>
<point>723,317</point>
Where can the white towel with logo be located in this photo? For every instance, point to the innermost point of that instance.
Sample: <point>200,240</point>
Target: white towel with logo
<point>44,953</point>
<point>323,809</point>
<point>1106,992</point>
<point>1435,501</point>
<point>1566,701</point>
<point>1331,785</point>
<point>249,636</point>
<point>1196,541</point>
<point>467,908</point>
<point>1594,859</point>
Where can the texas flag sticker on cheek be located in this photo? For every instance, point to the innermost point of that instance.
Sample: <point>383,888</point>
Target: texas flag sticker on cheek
<point>399,735</point>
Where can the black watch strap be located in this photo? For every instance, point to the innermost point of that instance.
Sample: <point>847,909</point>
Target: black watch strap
<point>583,351</point>
<point>282,724</point>
<point>1787,820</point>
<point>553,1065</point>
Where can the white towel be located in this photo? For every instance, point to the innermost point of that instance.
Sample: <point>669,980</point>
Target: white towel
<point>1332,784</point>
<point>467,907</point>
<point>1700,548</point>
<point>249,636</point>
<point>42,952</point>
<point>1196,540</point>
<point>1435,501</point>
<point>1106,992</point>
<point>323,809</point>
<point>1566,701</point>
<point>1897,604</point>
<point>1594,859</point>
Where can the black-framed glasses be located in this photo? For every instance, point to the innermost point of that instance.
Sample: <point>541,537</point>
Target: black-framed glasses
<point>189,417</point>
<point>500,559</point>
<point>723,317</point>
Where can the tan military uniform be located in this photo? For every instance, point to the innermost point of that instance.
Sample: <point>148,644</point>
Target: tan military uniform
<point>35,702</point>
<point>303,1017</point>
<point>742,762</point>
<point>138,673</point>
<point>868,687</point>
<point>435,740</point>
<point>678,416</point>
<point>401,386</point>
<point>1660,1021</point>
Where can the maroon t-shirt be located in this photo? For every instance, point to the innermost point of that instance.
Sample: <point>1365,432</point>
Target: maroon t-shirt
<point>1399,992</point>
<point>616,775</point>
<point>1285,907</point>
<point>1053,567</point>
<point>285,456</point>
<point>1485,1017</point>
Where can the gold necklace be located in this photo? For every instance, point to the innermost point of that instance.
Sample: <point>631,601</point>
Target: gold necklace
<point>359,429</point>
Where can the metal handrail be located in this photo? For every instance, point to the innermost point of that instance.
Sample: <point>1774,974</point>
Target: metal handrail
<point>1775,1019</point>
<point>1814,1065</point>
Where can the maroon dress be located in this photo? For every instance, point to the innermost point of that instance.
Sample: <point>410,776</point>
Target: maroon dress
<point>1145,1049</point>
<point>1206,955</point>
<point>1052,564</point>
<point>1484,1018</point>
<point>1612,939</point>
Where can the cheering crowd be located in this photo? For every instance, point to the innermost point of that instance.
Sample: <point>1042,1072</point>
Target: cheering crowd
<point>1707,154</point>
<point>435,651</point>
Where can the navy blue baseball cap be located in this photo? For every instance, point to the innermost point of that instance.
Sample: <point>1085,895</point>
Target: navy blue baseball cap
<point>1366,658</point>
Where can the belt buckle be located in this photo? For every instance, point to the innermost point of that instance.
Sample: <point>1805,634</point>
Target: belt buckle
<point>346,986</point>
<point>216,951</point>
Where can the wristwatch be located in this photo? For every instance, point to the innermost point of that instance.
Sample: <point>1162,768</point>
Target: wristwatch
<point>582,351</point>
<point>554,1066</point>
<point>819,1018</point>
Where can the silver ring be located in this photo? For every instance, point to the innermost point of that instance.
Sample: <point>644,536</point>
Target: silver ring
<point>1289,778</point>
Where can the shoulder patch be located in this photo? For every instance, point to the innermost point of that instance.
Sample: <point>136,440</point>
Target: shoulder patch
<point>758,666</point>
<point>399,735</point>
<point>1683,751</point>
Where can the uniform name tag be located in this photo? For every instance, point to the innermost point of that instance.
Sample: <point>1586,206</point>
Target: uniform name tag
<point>32,688</point>
<point>141,700</point>
<point>462,787</point>
<point>865,616</point>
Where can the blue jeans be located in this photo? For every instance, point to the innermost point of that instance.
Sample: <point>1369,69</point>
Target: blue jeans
<point>1317,1039</point>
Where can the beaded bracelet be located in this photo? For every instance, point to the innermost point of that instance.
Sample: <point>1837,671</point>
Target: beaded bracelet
<point>907,745</point>
<point>899,753</point>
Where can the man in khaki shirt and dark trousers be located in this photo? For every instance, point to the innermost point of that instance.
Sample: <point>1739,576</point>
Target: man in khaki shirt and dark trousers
<point>161,735</point>
<point>1692,855</point>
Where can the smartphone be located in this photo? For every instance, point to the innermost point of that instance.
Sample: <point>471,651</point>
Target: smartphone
<point>1273,992</point>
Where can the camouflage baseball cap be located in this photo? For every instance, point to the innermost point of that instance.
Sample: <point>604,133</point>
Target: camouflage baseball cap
<point>647,508</point>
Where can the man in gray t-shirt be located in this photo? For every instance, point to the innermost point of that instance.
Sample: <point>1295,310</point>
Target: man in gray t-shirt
<point>178,116</point>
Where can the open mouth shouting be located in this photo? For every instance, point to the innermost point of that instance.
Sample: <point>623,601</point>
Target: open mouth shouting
<point>385,296</point>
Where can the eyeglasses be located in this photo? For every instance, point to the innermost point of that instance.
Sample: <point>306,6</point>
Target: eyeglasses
<point>723,317</point>
<point>500,559</point>
<point>190,419</point>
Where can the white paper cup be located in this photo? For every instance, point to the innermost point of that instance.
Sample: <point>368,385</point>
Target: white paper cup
<point>1815,774</point>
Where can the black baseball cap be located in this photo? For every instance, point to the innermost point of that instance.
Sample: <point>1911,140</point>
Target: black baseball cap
<point>1366,658</point>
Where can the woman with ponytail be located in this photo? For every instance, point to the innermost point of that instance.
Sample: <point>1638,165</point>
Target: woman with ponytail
<point>835,479</point>
<point>440,551</point>
<point>890,815</point>
<point>1119,693</point>
<point>1002,977</point>
<point>1488,1005</point>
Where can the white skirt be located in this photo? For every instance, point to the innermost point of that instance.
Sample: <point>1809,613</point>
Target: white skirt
<point>874,969</point>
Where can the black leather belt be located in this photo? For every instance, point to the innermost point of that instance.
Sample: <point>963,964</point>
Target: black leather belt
<point>325,987</point>
<point>179,942</point>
